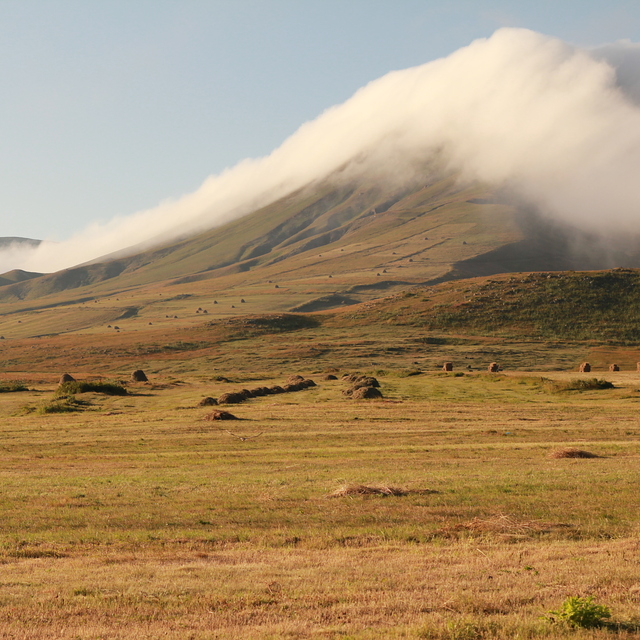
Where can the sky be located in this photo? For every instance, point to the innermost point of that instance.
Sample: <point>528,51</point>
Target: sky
<point>110,107</point>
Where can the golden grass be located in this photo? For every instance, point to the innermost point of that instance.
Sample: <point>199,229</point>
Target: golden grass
<point>137,518</point>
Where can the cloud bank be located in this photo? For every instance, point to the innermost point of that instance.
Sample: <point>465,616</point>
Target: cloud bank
<point>557,125</point>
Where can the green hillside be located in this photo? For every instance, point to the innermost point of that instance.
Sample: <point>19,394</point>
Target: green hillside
<point>595,306</point>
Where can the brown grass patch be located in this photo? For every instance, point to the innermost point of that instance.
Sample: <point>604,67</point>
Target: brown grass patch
<point>368,490</point>
<point>376,490</point>
<point>572,452</point>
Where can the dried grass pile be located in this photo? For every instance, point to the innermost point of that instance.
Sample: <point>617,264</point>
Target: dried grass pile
<point>66,377</point>
<point>585,367</point>
<point>614,367</point>
<point>220,415</point>
<point>231,398</point>
<point>368,490</point>
<point>494,367</point>
<point>366,393</point>
<point>447,366</point>
<point>207,402</point>
<point>571,452</point>
<point>294,379</point>
<point>139,376</point>
<point>330,376</point>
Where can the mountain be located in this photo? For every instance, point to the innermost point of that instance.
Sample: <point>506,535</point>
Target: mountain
<point>9,240</point>
<point>329,245</point>
<point>360,235</point>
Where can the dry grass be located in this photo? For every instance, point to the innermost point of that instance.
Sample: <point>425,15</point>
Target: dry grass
<point>368,490</point>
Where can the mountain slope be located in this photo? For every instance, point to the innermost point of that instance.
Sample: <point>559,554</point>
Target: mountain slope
<point>358,231</point>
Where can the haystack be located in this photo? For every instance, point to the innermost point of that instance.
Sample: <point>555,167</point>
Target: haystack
<point>139,376</point>
<point>308,383</point>
<point>294,379</point>
<point>293,387</point>
<point>207,402</point>
<point>220,415</point>
<point>231,398</point>
<point>447,366</point>
<point>276,388</point>
<point>570,452</point>
<point>366,393</point>
<point>367,490</point>
<point>614,367</point>
<point>330,376</point>
<point>585,367</point>
<point>66,377</point>
<point>493,367</point>
<point>366,381</point>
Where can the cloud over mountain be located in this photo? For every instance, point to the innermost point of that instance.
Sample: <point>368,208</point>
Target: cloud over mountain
<point>555,125</point>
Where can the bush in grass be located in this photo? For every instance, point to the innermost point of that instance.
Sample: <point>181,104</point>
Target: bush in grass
<point>64,404</point>
<point>581,612</point>
<point>77,386</point>
<point>8,386</point>
<point>589,384</point>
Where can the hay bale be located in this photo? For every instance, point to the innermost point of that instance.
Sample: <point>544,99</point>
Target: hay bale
<point>365,382</point>
<point>367,490</point>
<point>257,392</point>
<point>220,415</point>
<point>66,377</point>
<point>294,379</point>
<point>308,383</point>
<point>366,393</point>
<point>447,366</point>
<point>276,388</point>
<point>493,367</point>
<point>292,387</point>
<point>245,393</point>
<point>139,376</point>
<point>585,367</point>
<point>350,377</point>
<point>571,452</point>
<point>207,402</point>
<point>231,398</point>
<point>330,376</point>
<point>614,367</point>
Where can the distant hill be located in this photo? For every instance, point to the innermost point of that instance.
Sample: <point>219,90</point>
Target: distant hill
<point>9,240</point>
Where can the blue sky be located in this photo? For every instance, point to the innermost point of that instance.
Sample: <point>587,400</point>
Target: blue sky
<point>112,106</point>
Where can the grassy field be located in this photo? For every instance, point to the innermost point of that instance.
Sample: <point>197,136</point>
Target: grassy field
<point>134,517</point>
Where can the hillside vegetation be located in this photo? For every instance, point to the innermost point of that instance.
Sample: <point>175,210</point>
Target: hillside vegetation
<point>598,306</point>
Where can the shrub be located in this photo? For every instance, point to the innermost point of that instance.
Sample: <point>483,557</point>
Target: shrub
<point>64,404</point>
<point>8,386</point>
<point>581,612</point>
<point>589,384</point>
<point>108,388</point>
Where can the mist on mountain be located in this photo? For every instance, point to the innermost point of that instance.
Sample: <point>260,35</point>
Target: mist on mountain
<point>554,126</point>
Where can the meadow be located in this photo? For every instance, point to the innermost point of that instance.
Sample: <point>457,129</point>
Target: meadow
<point>135,517</point>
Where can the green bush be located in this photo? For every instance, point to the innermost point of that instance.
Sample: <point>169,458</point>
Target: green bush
<point>64,404</point>
<point>77,386</point>
<point>8,386</point>
<point>581,612</point>
<point>590,384</point>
